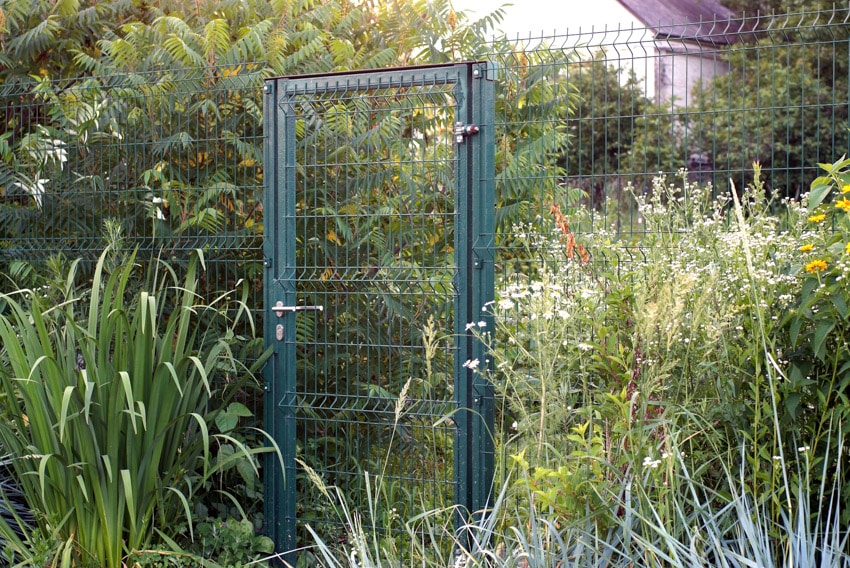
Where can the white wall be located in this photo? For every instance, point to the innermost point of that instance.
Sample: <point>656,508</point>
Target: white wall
<point>679,68</point>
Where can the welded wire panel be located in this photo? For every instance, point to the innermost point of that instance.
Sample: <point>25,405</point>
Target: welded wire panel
<point>375,220</point>
<point>163,162</point>
<point>706,98</point>
<point>173,158</point>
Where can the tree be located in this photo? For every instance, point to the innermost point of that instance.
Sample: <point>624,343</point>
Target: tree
<point>603,126</point>
<point>782,104</point>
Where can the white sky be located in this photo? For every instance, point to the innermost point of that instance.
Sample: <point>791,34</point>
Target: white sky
<point>526,17</point>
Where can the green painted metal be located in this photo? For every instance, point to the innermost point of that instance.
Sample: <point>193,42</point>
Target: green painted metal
<point>379,219</point>
<point>475,241</point>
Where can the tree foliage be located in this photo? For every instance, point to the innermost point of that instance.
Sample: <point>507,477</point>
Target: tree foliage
<point>153,114</point>
<point>782,104</point>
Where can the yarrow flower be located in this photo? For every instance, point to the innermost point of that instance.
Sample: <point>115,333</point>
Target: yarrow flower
<point>816,266</point>
<point>817,218</point>
<point>843,203</point>
<point>651,463</point>
<point>806,248</point>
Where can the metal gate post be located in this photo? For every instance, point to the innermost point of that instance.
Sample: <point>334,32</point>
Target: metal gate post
<point>474,248</point>
<point>483,284</point>
<point>279,471</point>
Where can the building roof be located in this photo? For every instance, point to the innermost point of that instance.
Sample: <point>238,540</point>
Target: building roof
<point>696,20</point>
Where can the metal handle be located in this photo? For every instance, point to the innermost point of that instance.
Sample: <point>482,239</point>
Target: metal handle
<point>279,309</point>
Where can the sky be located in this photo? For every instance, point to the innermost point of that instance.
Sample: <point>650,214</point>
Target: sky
<point>526,17</point>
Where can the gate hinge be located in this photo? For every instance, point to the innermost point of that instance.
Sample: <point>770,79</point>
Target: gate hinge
<point>463,130</point>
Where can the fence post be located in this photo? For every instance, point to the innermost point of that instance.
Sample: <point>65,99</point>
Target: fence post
<point>475,288</point>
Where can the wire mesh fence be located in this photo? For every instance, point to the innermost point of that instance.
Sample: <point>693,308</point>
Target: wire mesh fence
<point>175,155</point>
<point>174,158</point>
<point>701,100</point>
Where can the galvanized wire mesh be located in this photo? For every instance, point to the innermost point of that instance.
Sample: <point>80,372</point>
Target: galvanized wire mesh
<point>166,163</point>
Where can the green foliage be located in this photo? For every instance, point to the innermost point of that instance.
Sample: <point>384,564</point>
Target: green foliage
<point>604,127</point>
<point>535,103</point>
<point>788,109</point>
<point>106,406</point>
<point>232,542</point>
<point>607,367</point>
<point>814,393</point>
<point>42,37</point>
<point>163,127</point>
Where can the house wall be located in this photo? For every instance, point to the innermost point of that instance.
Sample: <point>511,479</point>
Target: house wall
<point>681,66</point>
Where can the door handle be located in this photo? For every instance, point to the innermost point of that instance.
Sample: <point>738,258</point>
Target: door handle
<point>279,309</point>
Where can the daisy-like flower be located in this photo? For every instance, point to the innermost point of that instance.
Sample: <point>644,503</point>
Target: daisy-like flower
<point>845,188</point>
<point>816,266</point>
<point>816,218</point>
<point>847,248</point>
<point>843,204</point>
<point>806,248</point>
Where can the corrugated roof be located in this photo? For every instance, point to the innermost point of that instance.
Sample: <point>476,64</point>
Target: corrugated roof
<point>698,20</point>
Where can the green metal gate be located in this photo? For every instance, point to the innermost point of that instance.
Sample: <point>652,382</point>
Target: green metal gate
<point>379,265</point>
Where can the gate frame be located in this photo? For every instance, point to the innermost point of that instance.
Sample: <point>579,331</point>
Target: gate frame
<point>473,84</point>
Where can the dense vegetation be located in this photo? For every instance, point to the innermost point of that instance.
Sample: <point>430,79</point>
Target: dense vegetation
<point>675,399</point>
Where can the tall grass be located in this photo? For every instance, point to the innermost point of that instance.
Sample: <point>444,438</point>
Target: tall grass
<point>106,406</point>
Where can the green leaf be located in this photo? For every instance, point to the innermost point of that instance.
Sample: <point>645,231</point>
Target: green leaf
<point>794,329</point>
<point>839,165</point>
<point>226,422</point>
<point>792,405</point>
<point>63,413</point>
<point>821,187</point>
<point>840,305</point>
<point>239,409</point>
<point>821,333</point>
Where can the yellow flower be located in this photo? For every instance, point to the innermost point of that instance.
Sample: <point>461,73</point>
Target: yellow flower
<point>845,188</point>
<point>843,203</point>
<point>816,266</point>
<point>806,248</point>
<point>847,248</point>
<point>817,218</point>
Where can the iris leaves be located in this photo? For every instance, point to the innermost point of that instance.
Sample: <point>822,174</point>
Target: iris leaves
<point>106,397</point>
